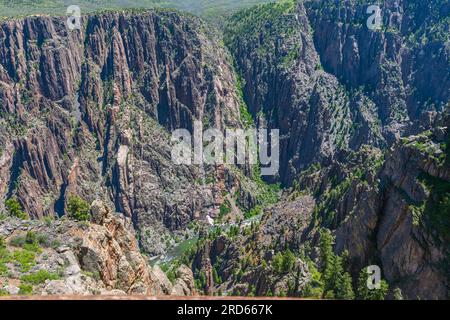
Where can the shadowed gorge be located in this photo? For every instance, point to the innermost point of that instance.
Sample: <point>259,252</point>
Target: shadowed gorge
<point>92,202</point>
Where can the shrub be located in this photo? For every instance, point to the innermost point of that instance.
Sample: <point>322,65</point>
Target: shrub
<point>344,288</point>
<point>25,259</point>
<point>216,277</point>
<point>31,237</point>
<point>25,289</point>
<point>283,262</point>
<point>4,257</point>
<point>48,221</point>
<point>398,294</point>
<point>15,209</point>
<point>28,242</point>
<point>18,241</point>
<point>225,209</point>
<point>78,209</point>
<point>39,277</point>
<point>315,287</point>
<point>2,243</point>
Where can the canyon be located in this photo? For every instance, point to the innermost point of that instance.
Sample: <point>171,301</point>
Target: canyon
<point>364,150</point>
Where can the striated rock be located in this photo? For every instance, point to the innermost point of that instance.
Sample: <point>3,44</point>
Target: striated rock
<point>95,258</point>
<point>184,285</point>
<point>89,113</point>
<point>394,222</point>
<point>162,284</point>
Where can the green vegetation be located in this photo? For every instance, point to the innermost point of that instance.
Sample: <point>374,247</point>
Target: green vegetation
<point>2,243</point>
<point>435,211</point>
<point>4,257</point>
<point>283,263</point>
<point>251,21</point>
<point>15,209</point>
<point>25,289</point>
<point>207,8</point>
<point>338,187</point>
<point>246,117</point>
<point>376,294</point>
<point>200,280</point>
<point>265,194</point>
<point>333,281</point>
<point>397,294</point>
<point>24,259</point>
<point>337,282</point>
<point>39,277</point>
<point>217,279</point>
<point>31,241</point>
<point>256,211</point>
<point>314,288</point>
<point>225,209</point>
<point>78,209</point>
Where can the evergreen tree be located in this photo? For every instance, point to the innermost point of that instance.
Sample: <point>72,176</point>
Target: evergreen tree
<point>333,273</point>
<point>78,209</point>
<point>326,249</point>
<point>15,209</point>
<point>365,293</point>
<point>345,289</point>
<point>288,261</point>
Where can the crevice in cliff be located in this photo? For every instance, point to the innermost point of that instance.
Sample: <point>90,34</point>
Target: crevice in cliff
<point>17,165</point>
<point>106,145</point>
<point>60,203</point>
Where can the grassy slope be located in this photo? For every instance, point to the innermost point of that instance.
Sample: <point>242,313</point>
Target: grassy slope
<point>205,8</point>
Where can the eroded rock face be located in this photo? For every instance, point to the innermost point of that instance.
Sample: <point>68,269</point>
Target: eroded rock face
<point>90,258</point>
<point>88,113</point>
<point>396,222</point>
<point>184,285</point>
<point>241,263</point>
<point>314,71</point>
<point>395,66</point>
<point>341,95</point>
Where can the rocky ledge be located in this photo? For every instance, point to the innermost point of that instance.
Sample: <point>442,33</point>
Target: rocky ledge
<point>67,257</point>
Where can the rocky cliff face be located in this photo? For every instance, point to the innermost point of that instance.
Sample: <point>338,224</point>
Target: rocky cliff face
<point>315,71</point>
<point>242,259</point>
<point>395,65</point>
<point>342,94</point>
<point>364,149</point>
<point>87,112</point>
<point>79,258</point>
<point>403,222</point>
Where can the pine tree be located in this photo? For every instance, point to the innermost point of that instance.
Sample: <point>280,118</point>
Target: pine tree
<point>326,249</point>
<point>333,272</point>
<point>344,288</point>
<point>365,293</point>
<point>288,261</point>
<point>78,209</point>
<point>15,209</point>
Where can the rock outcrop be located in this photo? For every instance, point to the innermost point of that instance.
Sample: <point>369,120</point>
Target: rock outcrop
<point>364,128</point>
<point>88,112</point>
<point>82,258</point>
<point>316,72</point>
